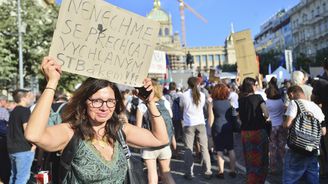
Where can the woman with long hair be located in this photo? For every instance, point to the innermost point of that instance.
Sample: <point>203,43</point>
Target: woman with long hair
<point>192,102</point>
<point>253,115</point>
<point>220,119</point>
<point>162,155</point>
<point>93,116</point>
<point>276,109</point>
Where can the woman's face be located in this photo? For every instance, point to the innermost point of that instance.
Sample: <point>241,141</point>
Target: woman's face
<point>101,105</point>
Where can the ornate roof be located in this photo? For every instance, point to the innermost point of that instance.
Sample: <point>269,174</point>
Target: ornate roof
<point>158,14</point>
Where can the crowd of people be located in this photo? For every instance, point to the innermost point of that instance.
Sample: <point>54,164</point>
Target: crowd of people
<point>205,118</point>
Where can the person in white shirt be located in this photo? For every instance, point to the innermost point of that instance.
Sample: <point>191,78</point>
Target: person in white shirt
<point>233,96</point>
<point>192,102</point>
<point>276,109</point>
<point>297,165</point>
<point>298,78</point>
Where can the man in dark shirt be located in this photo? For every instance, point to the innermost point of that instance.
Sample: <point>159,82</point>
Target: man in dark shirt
<point>21,152</point>
<point>319,95</point>
<point>5,163</point>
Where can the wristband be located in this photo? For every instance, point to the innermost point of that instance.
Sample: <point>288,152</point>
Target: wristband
<point>155,116</point>
<point>50,88</point>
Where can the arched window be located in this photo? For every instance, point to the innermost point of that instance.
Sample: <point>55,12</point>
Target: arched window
<point>160,32</point>
<point>167,31</point>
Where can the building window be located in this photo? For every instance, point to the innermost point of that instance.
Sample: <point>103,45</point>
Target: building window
<point>204,59</point>
<point>160,32</point>
<point>312,13</point>
<point>211,60</point>
<point>217,58</point>
<point>223,58</point>
<point>304,17</point>
<point>167,31</point>
<point>198,60</point>
<point>318,11</point>
<point>324,7</point>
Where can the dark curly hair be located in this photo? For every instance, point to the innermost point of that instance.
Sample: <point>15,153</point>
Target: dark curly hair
<point>75,111</point>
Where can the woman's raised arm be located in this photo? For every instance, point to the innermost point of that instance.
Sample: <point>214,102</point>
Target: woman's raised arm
<point>142,137</point>
<point>37,131</point>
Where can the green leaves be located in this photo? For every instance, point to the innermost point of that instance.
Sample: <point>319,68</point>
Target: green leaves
<point>40,24</point>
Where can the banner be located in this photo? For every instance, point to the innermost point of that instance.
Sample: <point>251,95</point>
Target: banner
<point>289,60</point>
<point>94,38</point>
<point>158,63</point>
<point>214,76</point>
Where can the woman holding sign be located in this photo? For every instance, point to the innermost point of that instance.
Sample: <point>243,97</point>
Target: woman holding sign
<point>92,117</point>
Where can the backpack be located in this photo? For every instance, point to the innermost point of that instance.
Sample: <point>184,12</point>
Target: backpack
<point>305,132</point>
<point>176,110</point>
<point>146,123</point>
<point>167,118</point>
<point>55,117</point>
<point>50,160</point>
<point>134,107</point>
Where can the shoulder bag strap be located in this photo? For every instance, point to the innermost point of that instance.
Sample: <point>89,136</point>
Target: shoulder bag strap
<point>69,152</point>
<point>67,156</point>
<point>125,147</point>
<point>60,107</point>
<point>300,106</point>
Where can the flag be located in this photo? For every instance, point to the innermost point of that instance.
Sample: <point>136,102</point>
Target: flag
<point>282,61</point>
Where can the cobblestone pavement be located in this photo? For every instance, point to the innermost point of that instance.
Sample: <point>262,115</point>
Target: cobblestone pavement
<point>178,163</point>
<point>177,166</point>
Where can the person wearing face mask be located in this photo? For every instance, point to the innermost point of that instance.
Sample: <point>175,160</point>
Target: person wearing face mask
<point>21,152</point>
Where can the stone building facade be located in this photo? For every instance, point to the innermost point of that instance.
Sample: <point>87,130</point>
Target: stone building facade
<point>309,20</point>
<point>303,29</point>
<point>205,57</point>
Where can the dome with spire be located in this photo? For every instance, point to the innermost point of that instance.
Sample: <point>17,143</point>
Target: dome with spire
<point>158,14</point>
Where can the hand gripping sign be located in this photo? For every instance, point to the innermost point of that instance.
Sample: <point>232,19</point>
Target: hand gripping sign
<point>94,38</point>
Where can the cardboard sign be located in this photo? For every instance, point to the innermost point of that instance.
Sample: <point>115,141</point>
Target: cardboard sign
<point>158,63</point>
<point>96,39</point>
<point>213,76</point>
<point>245,54</point>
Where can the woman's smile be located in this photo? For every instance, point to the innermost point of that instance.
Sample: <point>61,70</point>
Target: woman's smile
<point>102,114</point>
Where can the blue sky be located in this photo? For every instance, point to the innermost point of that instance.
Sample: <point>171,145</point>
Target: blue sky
<point>244,14</point>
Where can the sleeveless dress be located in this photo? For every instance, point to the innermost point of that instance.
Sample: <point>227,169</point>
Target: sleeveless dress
<point>88,166</point>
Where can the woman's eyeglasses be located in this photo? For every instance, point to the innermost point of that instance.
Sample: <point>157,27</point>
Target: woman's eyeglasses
<point>96,103</point>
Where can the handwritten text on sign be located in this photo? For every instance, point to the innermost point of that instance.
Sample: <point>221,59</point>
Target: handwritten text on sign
<point>96,39</point>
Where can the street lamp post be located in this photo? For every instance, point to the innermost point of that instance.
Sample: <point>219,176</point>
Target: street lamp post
<point>20,42</point>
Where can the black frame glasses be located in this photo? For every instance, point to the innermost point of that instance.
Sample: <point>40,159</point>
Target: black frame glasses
<point>97,103</point>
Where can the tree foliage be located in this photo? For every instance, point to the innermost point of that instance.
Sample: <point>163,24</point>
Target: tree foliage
<point>320,56</point>
<point>303,63</point>
<point>271,57</point>
<point>229,68</point>
<point>40,23</point>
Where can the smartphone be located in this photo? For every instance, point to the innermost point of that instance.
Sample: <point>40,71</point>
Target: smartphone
<point>143,93</point>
